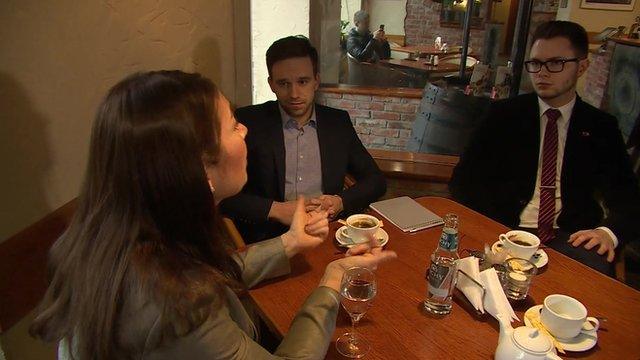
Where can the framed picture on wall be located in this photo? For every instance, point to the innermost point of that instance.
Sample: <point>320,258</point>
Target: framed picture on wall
<point>626,5</point>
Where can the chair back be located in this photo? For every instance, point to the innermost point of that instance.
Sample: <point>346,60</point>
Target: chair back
<point>234,234</point>
<point>23,265</point>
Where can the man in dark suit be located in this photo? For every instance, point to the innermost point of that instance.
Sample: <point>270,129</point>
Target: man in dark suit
<point>546,161</point>
<point>296,147</point>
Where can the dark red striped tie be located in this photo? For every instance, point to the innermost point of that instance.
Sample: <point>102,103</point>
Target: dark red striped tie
<point>548,177</point>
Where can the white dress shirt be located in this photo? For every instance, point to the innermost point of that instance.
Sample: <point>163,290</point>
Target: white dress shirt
<point>529,216</point>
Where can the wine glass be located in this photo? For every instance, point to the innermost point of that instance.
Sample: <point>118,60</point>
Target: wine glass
<point>357,290</point>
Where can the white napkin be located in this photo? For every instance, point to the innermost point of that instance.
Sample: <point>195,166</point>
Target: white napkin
<point>495,301</point>
<point>470,289</point>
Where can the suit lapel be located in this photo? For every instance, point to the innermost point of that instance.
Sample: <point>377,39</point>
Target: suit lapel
<point>324,143</point>
<point>531,132</point>
<point>573,145</point>
<point>274,130</point>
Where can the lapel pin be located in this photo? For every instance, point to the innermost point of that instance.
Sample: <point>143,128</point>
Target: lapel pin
<point>585,134</point>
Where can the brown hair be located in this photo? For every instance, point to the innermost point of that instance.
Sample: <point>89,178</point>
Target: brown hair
<point>292,47</point>
<point>145,218</point>
<point>571,31</point>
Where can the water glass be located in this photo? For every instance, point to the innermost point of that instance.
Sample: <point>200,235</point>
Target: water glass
<point>517,278</point>
<point>357,290</point>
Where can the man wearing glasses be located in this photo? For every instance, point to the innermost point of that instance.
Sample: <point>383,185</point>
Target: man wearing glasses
<point>552,164</point>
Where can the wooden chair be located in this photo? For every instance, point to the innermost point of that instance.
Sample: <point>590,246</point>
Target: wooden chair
<point>233,233</point>
<point>23,262</point>
<point>23,265</point>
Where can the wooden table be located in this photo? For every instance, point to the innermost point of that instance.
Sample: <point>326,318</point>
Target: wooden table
<point>396,326</point>
<point>421,65</point>
<point>425,50</point>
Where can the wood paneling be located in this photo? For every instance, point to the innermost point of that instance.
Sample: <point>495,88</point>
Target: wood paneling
<point>23,264</point>
<point>370,90</point>
<point>415,174</point>
<point>417,166</point>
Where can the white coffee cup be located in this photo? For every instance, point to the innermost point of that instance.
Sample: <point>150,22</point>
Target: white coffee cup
<point>358,233</point>
<point>520,250</point>
<point>565,317</point>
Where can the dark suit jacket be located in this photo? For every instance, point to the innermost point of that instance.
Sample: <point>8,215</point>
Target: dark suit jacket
<point>341,153</point>
<point>496,174</point>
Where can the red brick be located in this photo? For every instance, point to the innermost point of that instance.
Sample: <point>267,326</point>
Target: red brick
<point>362,130</point>
<point>404,134</point>
<point>371,123</point>
<point>396,142</point>
<point>399,125</point>
<point>385,115</point>
<point>377,146</point>
<point>372,140</point>
<point>408,117</point>
<point>357,97</point>
<point>411,101</point>
<point>385,132</point>
<point>401,108</point>
<point>359,113</point>
<point>329,95</point>
<point>377,140</point>
<point>341,104</point>
<point>370,105</point>
<point>386,99</point>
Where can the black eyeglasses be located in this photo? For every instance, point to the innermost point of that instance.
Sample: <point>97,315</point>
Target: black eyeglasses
<point>553,66</point>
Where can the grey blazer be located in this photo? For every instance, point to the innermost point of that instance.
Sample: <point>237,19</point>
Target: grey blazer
<point>230,333</point>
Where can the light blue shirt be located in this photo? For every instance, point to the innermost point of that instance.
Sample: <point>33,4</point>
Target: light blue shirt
<point>303,172</point>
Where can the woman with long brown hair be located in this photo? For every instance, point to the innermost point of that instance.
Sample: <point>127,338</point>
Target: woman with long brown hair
<point>143,272</point>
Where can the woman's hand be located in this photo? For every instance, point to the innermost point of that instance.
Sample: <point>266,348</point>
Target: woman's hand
<point>364,255</point>
<point>307,230</point>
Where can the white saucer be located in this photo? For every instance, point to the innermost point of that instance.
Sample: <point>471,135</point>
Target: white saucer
<point>582,342</point>
<point>381,235</point>
<point>539,259</point>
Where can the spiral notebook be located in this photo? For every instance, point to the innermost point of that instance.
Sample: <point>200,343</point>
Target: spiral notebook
<point>406,214</point>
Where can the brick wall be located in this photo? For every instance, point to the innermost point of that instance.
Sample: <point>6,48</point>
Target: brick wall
<point>597,76</point>
<point>381,122</point>
<point>422,25</point>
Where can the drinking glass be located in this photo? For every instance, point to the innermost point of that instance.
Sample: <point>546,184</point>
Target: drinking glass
<point>357,290</point>
<point>517,278</point>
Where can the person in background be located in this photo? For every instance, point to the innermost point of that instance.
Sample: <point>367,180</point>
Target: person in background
<point>297,147</point>
<point>363,45</point>
<point>143,270</point>
<point>548,162</point>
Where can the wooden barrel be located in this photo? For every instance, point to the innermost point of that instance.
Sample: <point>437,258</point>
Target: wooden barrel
<point>446,120</point>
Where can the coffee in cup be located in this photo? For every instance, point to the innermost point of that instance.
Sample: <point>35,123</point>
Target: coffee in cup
<point>364,223</point>
<point>565,317</point>
<point>361,227</point>
<point>520,244</point>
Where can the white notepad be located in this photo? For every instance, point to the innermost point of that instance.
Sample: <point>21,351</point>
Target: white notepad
<point>406,214</point>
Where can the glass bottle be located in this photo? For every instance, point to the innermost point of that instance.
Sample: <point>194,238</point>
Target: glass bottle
<point>441,275</point>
